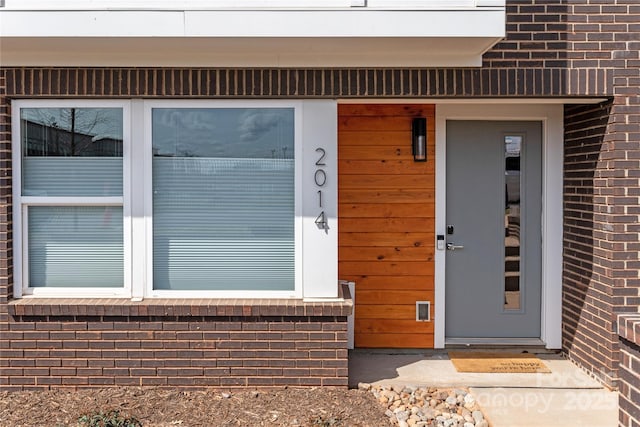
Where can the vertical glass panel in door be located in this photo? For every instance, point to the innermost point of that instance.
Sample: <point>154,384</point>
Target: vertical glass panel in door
<point>71,151</point>
<point>75,246</point>
<point>512,155</point>
<point>223,198</point>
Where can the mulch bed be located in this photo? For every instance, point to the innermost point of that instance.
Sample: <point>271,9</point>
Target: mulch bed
<point>162,407</point>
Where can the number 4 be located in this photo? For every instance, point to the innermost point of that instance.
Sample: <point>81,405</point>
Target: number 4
<point>321,221</point>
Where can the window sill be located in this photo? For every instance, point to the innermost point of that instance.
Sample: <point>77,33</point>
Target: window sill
<point>177,307</point>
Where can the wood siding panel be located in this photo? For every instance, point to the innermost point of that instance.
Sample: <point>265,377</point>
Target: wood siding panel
<point>372,254</point>
<point>394,340</point>
<point>399,182</point>
<point>389,225</point>
<point>390,311</point>
<point>382,210</point>
<point>384,152</point>
<point>422,196</point>
<point>386,213</point>
<point>386,239</point>
<point>385,167</point>
<point>393,326</point>
<point>410,110</point>
<point>387,268</point>
<point>374,123</point>
<point>384,297</point>
<point>367,282</point>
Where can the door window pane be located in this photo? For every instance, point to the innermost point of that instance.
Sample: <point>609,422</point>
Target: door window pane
<point>512,154</point>
<point>223,199</point>
<point>71,151</point>
<point>75,246</point>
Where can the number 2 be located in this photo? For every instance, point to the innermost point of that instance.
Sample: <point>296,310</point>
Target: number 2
<point>320,161</point>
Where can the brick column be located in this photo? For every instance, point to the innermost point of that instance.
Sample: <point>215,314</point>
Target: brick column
<point>6,280</point>
<point>629,331</point>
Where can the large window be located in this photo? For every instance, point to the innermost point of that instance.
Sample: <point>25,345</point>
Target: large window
<point>223,198</point>
<point>175,198</point>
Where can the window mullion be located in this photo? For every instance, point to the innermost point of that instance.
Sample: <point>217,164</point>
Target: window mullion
<point>136,184</point>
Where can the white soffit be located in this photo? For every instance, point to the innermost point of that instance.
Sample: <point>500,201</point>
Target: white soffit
<point>360,37</point>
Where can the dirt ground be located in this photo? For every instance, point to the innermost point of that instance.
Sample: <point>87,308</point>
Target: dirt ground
<point>167,407</point>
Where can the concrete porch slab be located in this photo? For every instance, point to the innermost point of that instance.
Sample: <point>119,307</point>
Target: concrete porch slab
<point>538,407</point>
<point>433,368</point>
<point>567,396</point>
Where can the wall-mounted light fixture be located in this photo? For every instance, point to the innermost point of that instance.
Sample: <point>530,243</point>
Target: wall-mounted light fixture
<point>419,139</point>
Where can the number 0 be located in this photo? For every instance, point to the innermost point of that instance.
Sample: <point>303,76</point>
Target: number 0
<point>320,178</point>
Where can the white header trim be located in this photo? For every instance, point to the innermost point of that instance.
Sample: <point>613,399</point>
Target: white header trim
<point>253,23</point>
<point>244,4</point>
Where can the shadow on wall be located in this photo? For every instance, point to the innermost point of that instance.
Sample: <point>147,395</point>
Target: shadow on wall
<point>585,129</point>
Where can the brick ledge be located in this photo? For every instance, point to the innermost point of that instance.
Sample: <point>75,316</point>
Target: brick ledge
<point>180,307</point>
<point>629,327</point>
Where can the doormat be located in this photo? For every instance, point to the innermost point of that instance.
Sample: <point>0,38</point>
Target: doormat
<point>497,362</point>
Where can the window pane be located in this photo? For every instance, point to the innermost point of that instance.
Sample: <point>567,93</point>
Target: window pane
<point>223,199</point>
<point>76,246</point>
<point>512,270</point>
<point>71,151</point>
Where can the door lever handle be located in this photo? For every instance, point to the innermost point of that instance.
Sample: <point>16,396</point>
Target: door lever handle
<point>453,247</point>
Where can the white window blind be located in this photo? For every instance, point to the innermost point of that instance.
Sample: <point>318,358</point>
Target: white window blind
<point>223,224</point>
<point>72,176</point>
<point>75,246</point>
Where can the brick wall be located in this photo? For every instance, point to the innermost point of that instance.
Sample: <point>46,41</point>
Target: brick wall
<point>215,343</point>
<point>629,397</point>
<point>602,185</point>
<point>6,260</point>
<point>589,336</point>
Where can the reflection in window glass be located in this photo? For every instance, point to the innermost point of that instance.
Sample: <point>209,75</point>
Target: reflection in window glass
<point>71,151</point>
<point>223,198</point>
<point>512,155</point>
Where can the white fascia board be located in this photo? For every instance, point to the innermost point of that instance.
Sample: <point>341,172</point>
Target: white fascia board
<point>239,4</point>
<point>254,23</point>
<point>351,23</point>
<point>250,38</point>
<point>79,24</point>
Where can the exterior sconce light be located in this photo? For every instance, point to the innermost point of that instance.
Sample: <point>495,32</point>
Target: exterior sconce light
<point>419,139</point>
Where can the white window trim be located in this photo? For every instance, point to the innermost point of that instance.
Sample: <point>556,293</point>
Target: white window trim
<point>551,116</point>
<point>316,273</point>
<point>21,204</point>
<point>148,200</point>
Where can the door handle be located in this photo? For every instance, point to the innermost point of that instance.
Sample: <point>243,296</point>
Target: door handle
<point>453,247</point>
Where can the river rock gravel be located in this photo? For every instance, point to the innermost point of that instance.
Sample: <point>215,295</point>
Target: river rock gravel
<point>410,406</point>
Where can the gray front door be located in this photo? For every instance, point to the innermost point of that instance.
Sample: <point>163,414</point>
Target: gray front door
<point>494,207</point>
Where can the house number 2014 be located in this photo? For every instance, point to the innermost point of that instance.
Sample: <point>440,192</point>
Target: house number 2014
<point>320,179</point>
